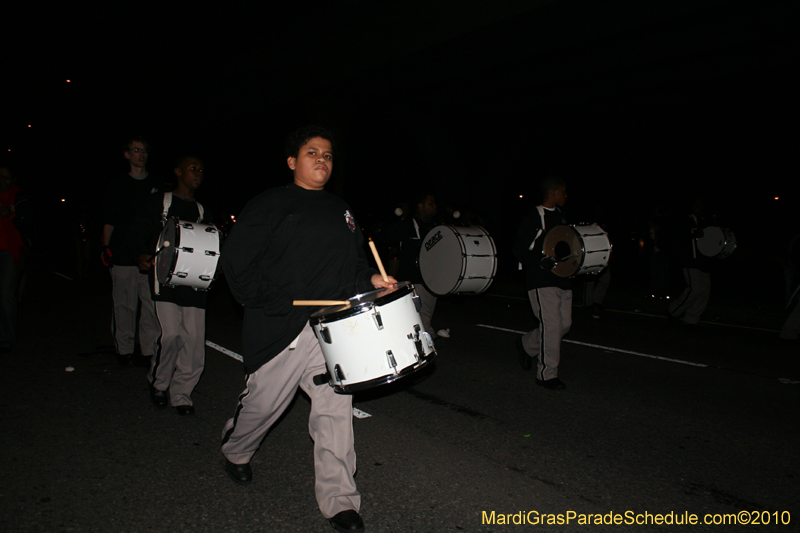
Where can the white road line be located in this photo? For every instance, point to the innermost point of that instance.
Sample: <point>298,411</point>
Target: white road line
<point>358,413</point>
<point>225,351</point>
<point>609,348</point>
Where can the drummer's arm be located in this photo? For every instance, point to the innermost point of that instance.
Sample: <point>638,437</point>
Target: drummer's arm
<point>242,253</point>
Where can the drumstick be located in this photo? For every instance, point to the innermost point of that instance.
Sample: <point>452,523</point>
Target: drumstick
<point>319,302</point>
<point>378,260</point>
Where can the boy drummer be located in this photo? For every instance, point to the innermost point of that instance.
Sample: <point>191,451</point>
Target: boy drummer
<point>296,242</point>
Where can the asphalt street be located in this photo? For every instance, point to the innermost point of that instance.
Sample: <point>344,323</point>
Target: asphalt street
<point>655,420</point>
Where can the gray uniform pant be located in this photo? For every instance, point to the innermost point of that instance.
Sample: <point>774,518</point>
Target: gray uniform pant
<point>268,392</point>
<point>130,286</point>
<point>181,354</point>
<point>596,287</point>
<point>428,301</point>
<point>694,299</point>
<point>553,308</point>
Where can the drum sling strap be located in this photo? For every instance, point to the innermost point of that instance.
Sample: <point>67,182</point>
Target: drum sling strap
<point>167,203</point>
<point>539,232</point>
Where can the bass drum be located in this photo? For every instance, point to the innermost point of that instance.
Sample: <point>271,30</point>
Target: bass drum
<point>458,260</point>
<point>373,339</point>
<point>578,249</point>
<point>187,254</point>
<point>716,242</point>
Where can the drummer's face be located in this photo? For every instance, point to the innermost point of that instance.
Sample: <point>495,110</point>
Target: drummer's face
<point>560,196</point>
<point>313,165</point>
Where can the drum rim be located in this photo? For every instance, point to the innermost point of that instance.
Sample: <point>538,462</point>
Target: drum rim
<point>318,316</point>
<point>383,380</point>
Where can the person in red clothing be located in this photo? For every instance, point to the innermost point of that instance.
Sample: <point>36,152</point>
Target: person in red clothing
<point>11,248</point>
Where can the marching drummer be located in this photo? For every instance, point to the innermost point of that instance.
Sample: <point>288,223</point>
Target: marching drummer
<point>550,295</point>
<point>409,232</point>
<point>181,311</point>
<point>296,242</point>
<point>686,309</point>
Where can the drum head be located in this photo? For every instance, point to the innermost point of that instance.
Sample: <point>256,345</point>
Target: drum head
<point>712,242</point>
<point>441,260</point>
<point>165,260</point>
<point>564,241</point>
<point>360,303</point>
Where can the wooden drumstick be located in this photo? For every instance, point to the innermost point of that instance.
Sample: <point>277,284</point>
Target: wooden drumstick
<point>378,260</point>
<point>319,302</point>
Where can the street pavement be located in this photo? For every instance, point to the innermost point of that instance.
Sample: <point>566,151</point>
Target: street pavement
<point>655,420</point>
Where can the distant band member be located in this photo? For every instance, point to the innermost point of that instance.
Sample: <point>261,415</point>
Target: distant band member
<point>180,354</point>
<point>296,242</point>
<point>550,295</point>
<point>410,232</point>
<point>123,202</point>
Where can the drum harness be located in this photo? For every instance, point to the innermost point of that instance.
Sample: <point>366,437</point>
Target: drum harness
<point>539,208</point>
<point>167,203</point>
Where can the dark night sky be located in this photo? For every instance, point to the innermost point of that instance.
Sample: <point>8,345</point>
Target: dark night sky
<point>634,102</point>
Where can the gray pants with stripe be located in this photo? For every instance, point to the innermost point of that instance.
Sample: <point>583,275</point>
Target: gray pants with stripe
<point>553,308</point>
<point>268,392</point>
<point>694,299</point>
<point>130,286</point>
<point>181,354</point>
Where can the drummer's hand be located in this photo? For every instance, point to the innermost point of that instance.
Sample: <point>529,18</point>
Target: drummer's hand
<point>378,283</point>
<point>145,261</point>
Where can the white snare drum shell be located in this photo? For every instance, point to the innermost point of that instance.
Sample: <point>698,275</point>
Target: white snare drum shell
<point>376,345</point>
<point>191,257</point>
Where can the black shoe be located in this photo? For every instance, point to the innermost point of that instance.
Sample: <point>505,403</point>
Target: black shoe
<point>126,359</point>
<point>525,360</point>
<point>347,521</point>
<point>184,410</point>
<point>158,397</point>
<point>241,474</point>
<point>552,384</point>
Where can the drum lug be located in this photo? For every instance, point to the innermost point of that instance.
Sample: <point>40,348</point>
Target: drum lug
<point>418,343</point>
<point>392,362</point>
<point>417,303</point>
<point>338,374</point>
<point>211,253</point>
<point>325,334</point>
<point>376,316</point>
<point>187,250</point>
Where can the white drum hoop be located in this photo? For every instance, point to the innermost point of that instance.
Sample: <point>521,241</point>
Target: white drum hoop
<point>458,260</point>
<point>589,249</point>
<point>374,339</point>
<point>187,254</point>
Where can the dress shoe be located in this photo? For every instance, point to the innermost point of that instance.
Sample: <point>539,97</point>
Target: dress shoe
<point>184,410</point>
<point>241,474</point>
<point>552,384</point>
<point>525,360</point>
<point>126,359</point>
<point>347,521</point>
<point>158,397</point>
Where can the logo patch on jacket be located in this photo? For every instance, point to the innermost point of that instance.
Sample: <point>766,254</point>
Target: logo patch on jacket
<point>351,222</point>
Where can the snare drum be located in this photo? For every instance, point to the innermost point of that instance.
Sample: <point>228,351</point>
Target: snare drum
<point>187,254</point>
<point>376,338</point>
<point>578,249</point>
<point>716,242</point>
<point>456,260</point>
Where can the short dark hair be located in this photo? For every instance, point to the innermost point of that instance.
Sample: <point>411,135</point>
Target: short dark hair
<point>126,146</point>
<point>179,162</point>
<point>301,136</point>
<point>549,183</point>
